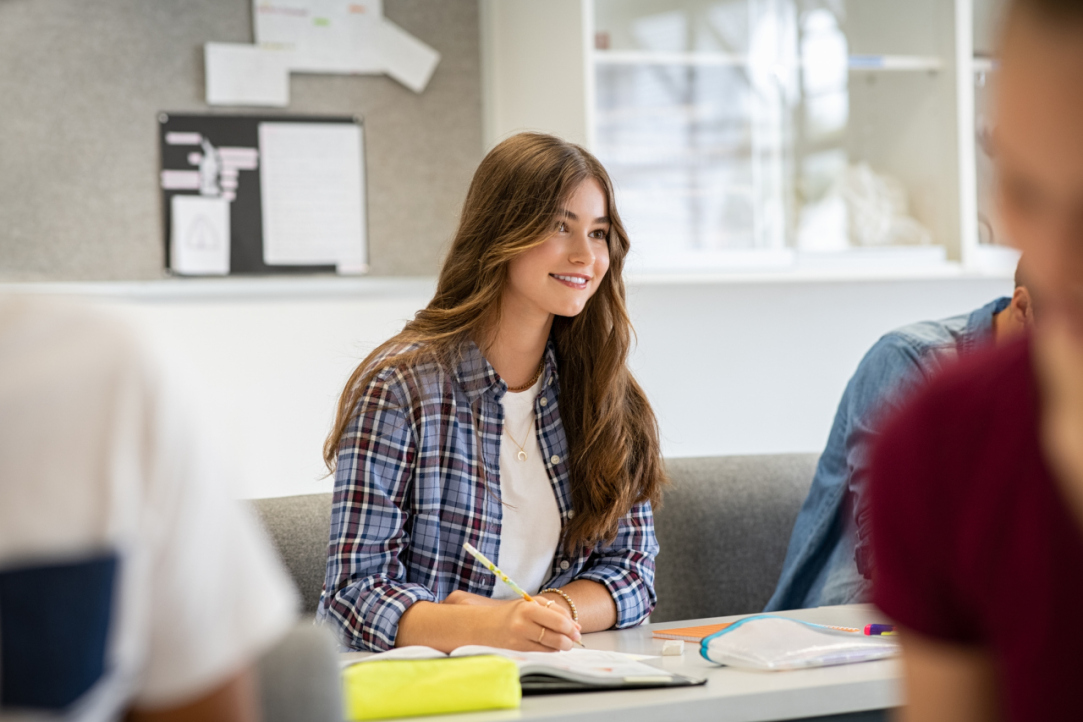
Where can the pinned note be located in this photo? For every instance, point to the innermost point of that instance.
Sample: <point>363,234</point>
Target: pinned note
<point>200,236</point>
<point>247,75</point>
<point>323,36</point>
<point>313,195</point>
<point>313,36</point>
<point>408,60</point>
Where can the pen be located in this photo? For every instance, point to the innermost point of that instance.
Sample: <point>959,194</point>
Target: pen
<point>502,576</point>
<point>879,629</point>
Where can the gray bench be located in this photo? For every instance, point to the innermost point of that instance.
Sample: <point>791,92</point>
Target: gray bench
<point>723,531</point>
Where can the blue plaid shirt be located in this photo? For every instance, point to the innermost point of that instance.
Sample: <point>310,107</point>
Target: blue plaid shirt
<point>408,494</point>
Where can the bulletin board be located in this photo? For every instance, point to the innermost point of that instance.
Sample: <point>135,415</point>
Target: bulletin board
<point>80,196</point>
<point>260,194</point>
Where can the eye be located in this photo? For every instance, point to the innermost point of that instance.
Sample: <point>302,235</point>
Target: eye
<point>601,234</point>
<point>562,227</point>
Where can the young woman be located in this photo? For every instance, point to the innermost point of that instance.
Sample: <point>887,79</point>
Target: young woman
<point>503,415</point>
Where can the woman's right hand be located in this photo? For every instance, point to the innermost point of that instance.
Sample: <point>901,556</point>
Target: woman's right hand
<point>527,627</point>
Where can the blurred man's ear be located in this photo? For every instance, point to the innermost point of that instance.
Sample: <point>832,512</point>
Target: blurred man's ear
<point>1022,306</point>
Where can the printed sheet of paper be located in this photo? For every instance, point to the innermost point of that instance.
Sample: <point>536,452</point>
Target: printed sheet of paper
<point>312,187</point>
<point>408,60</point>
<point>247,75</point>
<point>326,36</point>
<point>590,663</point>
<point>200,237</point>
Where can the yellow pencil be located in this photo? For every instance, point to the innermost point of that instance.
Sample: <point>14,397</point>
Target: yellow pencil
<point>502,576</point>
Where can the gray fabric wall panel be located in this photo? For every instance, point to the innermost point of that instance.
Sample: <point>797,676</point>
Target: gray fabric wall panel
<point>723,529</point>
<point>82,83</point>
<point>300,527</point>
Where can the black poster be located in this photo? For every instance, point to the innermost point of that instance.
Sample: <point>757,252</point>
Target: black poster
<point>218,156</point>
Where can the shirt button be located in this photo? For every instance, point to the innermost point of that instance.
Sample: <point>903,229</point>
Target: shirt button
<point>544,401</point>
<point>564,565</point>
<point>571,513</point>
<point>550,381</point>
<point>554,459</point>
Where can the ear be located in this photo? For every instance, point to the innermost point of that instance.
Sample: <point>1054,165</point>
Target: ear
<point>1021,306</point>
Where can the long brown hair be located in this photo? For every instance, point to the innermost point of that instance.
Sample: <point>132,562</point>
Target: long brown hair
<point>513,205</point>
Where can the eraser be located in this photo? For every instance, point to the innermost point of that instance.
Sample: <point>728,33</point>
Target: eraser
<point>673,648</point>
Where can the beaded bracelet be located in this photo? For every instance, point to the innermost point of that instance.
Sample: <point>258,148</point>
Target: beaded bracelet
<point>571,604</point>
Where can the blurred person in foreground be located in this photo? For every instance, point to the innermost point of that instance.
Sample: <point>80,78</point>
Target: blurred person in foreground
<point>827,561</point>
<point>130,583</point>
<point>977,487</point>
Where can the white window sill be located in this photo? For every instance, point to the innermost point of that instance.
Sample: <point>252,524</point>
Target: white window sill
<point>990,264</point>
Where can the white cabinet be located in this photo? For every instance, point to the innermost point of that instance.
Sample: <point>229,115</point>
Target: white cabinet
<point>766,134</point>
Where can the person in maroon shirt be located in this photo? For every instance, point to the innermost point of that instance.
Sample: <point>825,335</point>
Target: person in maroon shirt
<point>977,486</point>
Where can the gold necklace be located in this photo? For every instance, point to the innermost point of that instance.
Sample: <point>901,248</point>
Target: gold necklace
<point>522,455</point>
<point>528,384</point>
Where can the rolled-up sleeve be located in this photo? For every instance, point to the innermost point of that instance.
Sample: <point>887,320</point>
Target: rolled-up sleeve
<point>626,566</point>
<point>366,592</point>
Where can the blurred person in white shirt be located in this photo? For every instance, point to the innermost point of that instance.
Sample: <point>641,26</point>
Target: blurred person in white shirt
<point>131,583</point>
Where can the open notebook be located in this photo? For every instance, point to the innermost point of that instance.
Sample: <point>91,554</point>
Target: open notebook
<point>571,671</point>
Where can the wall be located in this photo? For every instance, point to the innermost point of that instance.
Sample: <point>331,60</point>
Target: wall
<point>534,68</point>
<point>734,366</point>
<point>730,367</point>
<point>82,84</point>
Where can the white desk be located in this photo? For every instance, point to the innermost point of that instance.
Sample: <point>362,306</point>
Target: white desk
<point>730,695</point>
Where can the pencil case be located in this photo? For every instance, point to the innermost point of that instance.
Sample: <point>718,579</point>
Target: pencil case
<point>407,688</point>
<point>771,643</point>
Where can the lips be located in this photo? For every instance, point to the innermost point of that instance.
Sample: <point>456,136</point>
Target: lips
<point>572,280</point>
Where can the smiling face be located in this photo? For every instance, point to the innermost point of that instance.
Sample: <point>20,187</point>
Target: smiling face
<point>558,276</point>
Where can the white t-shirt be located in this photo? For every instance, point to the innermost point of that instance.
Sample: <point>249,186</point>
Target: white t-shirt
<point>102,458</point>
<point>530,530</point>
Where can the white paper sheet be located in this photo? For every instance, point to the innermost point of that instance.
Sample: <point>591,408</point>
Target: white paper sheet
<point>326,36</point>
<point>408,60</point>
<point>588,662</point>
<point>199,236</point>
<point>247,75</point>
<point>312,188</point>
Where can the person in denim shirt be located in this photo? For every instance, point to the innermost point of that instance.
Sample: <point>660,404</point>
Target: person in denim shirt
<point>828,559</point>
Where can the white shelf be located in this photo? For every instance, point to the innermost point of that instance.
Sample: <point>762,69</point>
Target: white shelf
<point>651,57</point>
<point>985,65</point>
<point>906,63</point>
<point>858,63</point>
<point>267,288</point>
<point>307,289</point>
<point>949,271</point>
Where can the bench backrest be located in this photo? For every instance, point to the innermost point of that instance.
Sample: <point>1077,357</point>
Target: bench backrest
<point>723,532</point>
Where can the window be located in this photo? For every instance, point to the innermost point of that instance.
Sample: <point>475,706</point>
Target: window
<point>780,133</point>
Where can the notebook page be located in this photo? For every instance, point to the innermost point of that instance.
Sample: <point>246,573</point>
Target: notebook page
<point>578,663</point>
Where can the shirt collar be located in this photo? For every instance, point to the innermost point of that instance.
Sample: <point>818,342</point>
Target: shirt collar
<point>476,375</point>
<point>979,326</point>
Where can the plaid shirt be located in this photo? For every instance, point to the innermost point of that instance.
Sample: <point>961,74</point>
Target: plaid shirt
<point>408,494</point>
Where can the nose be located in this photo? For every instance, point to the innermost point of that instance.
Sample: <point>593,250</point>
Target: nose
<point>581,252</point>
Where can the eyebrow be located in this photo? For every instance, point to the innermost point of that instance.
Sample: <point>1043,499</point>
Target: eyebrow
<point>571,216</point>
